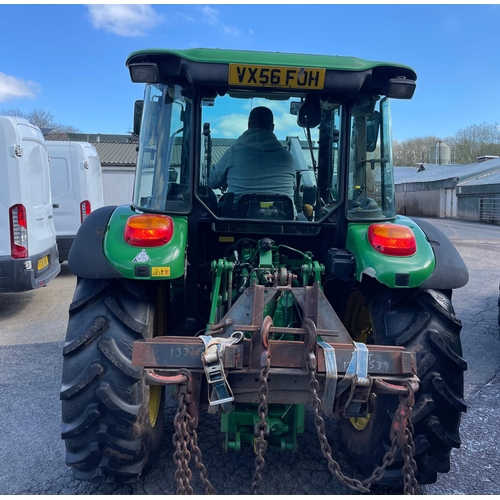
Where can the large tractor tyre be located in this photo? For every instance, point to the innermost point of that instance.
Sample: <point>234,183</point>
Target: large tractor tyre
<point>422,321</point>
<point>111,420</point>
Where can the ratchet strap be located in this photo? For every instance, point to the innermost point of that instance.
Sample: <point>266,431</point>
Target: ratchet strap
<point>357,370</point>
<point>331,377</point>
<point>213,365</point>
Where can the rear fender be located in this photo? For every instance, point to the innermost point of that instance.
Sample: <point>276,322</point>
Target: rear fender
<point>86,258</point>
<point>451,271</point>
<point>394,272</point>
<point>151,263</point>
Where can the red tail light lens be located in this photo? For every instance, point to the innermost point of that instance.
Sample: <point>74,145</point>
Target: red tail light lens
<point>18,232</point>
<point>148,230</point>
<point>392,239</point>
<point>85,210</point>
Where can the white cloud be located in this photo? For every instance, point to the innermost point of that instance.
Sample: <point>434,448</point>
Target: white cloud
<point>211,15</point>
<point>231,30</point>
<point>124,20</point>
<point>232,125</point>
<point>11,88</point>
<point>180,17</point>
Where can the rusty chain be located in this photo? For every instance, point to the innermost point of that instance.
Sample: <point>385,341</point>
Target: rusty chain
<point>182,456</point>
<point>401,437</point>
<point>185,439</point>
<point>261,444</point>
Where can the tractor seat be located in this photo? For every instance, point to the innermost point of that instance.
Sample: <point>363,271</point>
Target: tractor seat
<point>264,206</point>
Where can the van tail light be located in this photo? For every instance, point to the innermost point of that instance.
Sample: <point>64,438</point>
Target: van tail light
<point>148,230</point>
<point>18,232</point>
<point>84,209</point>
<point>392,239</point>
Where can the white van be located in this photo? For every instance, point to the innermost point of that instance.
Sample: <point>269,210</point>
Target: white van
<point>28,253</point>
<point>76,183</point>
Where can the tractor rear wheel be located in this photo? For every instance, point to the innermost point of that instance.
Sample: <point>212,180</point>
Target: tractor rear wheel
<point>422,321</point>
<point>111,420</point>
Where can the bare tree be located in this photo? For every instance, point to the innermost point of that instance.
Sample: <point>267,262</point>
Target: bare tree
<point>474,141</point>
<point>41,118</point>
<point>413,151</point>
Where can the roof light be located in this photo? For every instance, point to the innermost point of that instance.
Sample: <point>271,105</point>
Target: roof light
<point>392,239</point>
<point>148,230</point>
<point>144,73</point>
<point>400,88</point>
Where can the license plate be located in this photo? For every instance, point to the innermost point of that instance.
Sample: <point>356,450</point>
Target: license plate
<point>246,75</point>
<point>43,262</point>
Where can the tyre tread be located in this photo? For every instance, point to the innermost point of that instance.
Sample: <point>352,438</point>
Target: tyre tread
<point>105,399</point>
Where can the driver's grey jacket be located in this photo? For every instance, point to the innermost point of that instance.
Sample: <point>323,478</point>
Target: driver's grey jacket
<point>255,163</point>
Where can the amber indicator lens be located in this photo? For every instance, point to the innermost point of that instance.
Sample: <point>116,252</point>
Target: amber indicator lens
<point>392,239</point>
<point>148,230</point>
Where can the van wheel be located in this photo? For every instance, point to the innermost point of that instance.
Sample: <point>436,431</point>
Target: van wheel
<point>424,322</point>
<point>111,420</point>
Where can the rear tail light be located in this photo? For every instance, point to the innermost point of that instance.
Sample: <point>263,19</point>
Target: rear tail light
<point>18,232</point>
<point>392,239</point>
<point>84,209</point>
<point>148,230</point>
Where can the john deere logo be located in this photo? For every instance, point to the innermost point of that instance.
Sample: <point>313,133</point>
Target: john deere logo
<point>142,256</point>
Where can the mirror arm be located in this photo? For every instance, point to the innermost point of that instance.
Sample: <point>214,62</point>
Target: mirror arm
<point>375,160</point>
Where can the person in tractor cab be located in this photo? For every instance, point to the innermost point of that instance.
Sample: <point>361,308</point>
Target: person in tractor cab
<point>256,162</point>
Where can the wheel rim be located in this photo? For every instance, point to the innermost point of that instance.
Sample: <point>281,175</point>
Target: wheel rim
<point>360,327</point>
<point>358,318</point>
<point>154,403</point>
<point>360,423</point>
<point>155,391</point>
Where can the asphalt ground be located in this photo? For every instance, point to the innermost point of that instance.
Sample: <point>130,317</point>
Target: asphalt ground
<point>32,331</point>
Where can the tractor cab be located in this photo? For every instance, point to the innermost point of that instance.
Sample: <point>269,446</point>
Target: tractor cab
<point>334,123</point>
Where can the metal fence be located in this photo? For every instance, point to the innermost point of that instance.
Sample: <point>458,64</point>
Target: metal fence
<point>489,210</point>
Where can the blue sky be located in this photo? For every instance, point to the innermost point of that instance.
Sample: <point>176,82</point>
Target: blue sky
<point>70,59</point>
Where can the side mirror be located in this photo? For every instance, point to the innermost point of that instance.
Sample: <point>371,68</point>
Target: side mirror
<point>294,107</point>
<point>310,112</point>
<point>372,128</point>
<point>138,107</point>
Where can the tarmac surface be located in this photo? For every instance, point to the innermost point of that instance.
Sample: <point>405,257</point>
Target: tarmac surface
<point>32,454</point>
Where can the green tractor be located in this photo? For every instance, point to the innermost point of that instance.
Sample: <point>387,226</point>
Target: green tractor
<point>258,305</point>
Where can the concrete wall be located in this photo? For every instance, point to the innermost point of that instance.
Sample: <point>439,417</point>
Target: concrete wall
<point>418,203</point>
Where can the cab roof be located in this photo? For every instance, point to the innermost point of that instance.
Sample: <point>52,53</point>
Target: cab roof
<point>211,67</point>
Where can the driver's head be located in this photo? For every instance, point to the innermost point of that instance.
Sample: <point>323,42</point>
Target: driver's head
<point>261,117</point>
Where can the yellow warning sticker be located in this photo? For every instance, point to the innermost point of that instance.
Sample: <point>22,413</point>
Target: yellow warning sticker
<point>226,239</point>
<point>161,271</point>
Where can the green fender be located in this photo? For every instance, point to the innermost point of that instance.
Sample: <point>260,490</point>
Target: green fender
<point>395,272</point>
<point>145,263</point>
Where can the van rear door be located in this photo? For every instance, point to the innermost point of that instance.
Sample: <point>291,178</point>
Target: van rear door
<point>94,178</point>
<point>36,195</point>
<point>62,180</point>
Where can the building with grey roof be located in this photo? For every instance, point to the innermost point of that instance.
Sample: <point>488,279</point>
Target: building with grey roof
<point>469,192</point>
